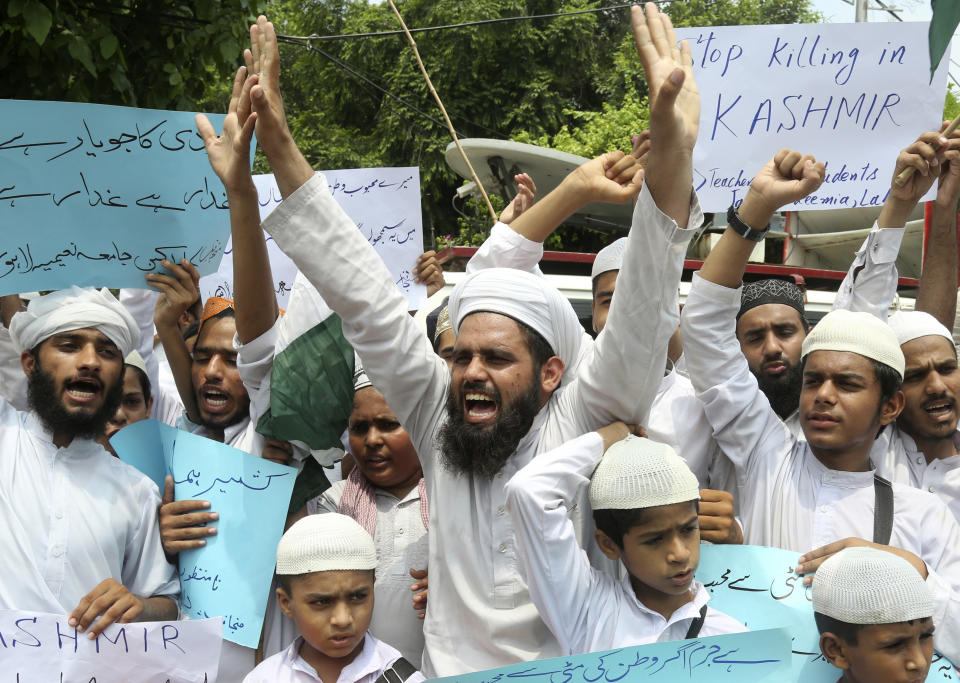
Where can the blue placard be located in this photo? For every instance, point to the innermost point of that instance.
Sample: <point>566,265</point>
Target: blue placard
<point>97,195</point>
<point>230,576</point>
<point>758,586</point>
<point>757,657</point>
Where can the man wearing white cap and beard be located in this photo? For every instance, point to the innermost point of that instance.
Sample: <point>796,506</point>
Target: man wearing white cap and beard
<point>819,495</point>
<point>479,614</point>
<point>94,552</point>
<point>921,446</point>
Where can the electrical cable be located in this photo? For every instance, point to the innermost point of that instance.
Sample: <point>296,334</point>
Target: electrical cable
<point>353,71</point>
<point>470,24</point>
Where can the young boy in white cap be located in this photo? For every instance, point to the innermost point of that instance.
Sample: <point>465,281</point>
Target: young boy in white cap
<point>644,499</point>
<point>325,572</point>
<point>874,613</point>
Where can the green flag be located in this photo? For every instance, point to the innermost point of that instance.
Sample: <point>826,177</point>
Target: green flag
<point>946,16</point>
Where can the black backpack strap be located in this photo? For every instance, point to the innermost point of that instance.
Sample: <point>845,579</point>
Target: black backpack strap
<point>398,672</point>
<point>883,510</point>
<point>697,624</point>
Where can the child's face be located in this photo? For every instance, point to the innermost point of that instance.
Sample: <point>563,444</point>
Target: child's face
<point>380,446</point>
<point>893,653</point>
<point>661,554</point>
<point>332,610</point>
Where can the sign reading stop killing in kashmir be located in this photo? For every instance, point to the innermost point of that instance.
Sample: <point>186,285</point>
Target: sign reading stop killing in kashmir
<point>853,95</point>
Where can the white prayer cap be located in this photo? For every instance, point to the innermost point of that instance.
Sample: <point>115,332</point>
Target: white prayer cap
<point>325,543</point>
<point>640,473</point>
<point>609,258</point>
<point>863,585</point>
<point>910,325</point>
<point>525,297</point>
<point>136,360</point>
<point>861,333</point>
<point>74,309</point>
<point>360,379</point>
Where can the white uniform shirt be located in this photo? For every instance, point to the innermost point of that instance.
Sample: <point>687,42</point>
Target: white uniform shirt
<point>902,462</point>
<point>73,517</point>
<point>479,615</point>
<point>289,667</point>
<point>402,545</point>
<point>587,609</point>
<point>790,499</point>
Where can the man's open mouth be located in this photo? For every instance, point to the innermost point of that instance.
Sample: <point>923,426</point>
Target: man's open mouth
<point>480,405</point>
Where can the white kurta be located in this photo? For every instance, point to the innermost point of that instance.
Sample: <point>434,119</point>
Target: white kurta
<point>789,498</point>
<point>402,545</point>
<point>900,461</point>
<point>289,667</point>
<point>587,609</point>
<point>73,517</point>
<point>479,614</point>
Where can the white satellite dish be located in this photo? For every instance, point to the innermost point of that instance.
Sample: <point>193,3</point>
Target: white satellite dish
<point>497,161</point>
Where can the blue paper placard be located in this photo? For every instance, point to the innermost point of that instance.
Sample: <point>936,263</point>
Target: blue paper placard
<point>97,195</point>
<point>230,576</point>
<point>758,657</point>
<point>758,586</point>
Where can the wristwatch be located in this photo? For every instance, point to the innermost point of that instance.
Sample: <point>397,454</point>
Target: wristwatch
<point>742,229</point>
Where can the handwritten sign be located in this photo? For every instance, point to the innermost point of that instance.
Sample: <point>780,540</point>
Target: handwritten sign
<point>758,587</point>
<point>385,205</point>
<point>852,95</point>
<point>758,657</point>
<point>99,195</point>
<point>230,576</point>
<point>37,647</point>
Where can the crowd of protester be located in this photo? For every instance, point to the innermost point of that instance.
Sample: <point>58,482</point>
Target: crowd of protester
<point>547,488</point>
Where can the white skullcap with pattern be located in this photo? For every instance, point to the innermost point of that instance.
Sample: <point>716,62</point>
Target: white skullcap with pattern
<point>856,332</point>
<point>640,473</point>
<point>325,543</point>
<point>609,258</point>
<point>910,325</point>
<point>862,585</point>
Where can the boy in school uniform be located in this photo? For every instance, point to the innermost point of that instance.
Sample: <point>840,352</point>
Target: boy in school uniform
<point>325,572</point>
<point>874,613</point>
<point>644,499</point>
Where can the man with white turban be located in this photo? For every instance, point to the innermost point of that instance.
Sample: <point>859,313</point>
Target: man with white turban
<point>81,526</point>
<point>515,368</point>
<point>819,495</point>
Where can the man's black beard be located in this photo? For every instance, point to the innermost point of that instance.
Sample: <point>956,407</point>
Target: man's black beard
<point>482,450</point>
<point>43,400</point>
<point>783,392</point>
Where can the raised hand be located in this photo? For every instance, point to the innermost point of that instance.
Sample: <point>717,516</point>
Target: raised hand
<point>674,98</point>
<point>926,155</point>
<point>641,146</point>
<point>593,182</point>
<point>788,177</point>
<point>229,153</point>
<point>717,523</point>
<point>178,292</point>
<point>526,196</point>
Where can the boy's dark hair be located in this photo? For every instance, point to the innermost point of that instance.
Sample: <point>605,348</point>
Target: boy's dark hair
<point>890,380</point>
<point>143,379</point>
<point>617,523</point>
<point>841,629</point>
<point>284,580</point>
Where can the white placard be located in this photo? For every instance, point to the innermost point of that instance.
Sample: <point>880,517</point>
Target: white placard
<point>385,205</point>
<point>42,648</point>
<point>853,95</point>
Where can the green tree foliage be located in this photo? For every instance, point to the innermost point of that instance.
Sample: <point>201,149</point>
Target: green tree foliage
<point>148,53</point>
<point>573,83</point>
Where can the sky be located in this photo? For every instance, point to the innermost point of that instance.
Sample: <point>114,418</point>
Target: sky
<point>838,11</point>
